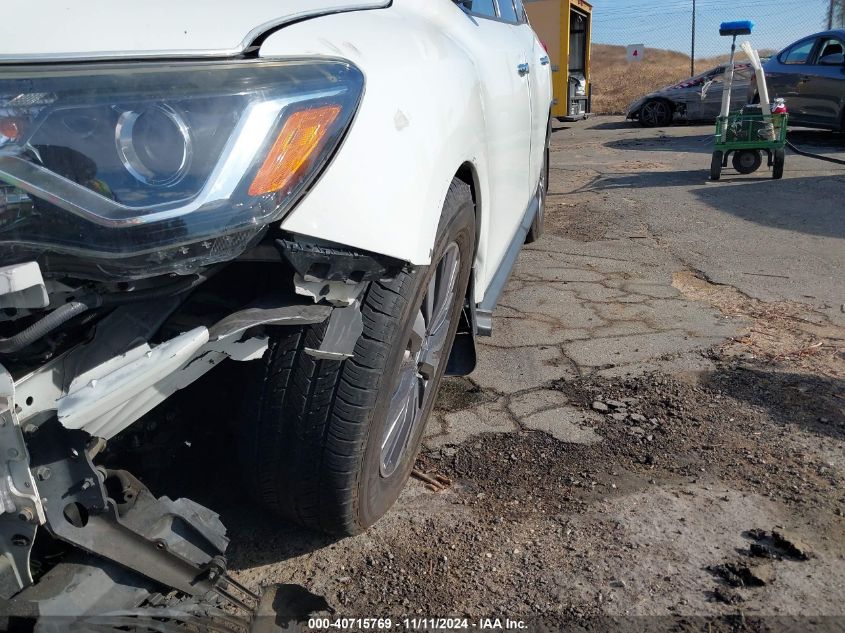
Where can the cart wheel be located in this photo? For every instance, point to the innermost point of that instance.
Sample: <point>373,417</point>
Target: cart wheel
<point>777,164</point>
<point>747,161</point>
<point>716,165</point>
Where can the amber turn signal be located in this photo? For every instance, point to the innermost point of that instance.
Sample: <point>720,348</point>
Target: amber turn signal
<point>302,136</point>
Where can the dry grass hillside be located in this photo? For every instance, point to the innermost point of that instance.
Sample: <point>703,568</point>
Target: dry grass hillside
<point>618,82</point>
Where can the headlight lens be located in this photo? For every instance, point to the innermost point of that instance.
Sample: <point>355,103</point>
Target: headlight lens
<point>153,167</point>
<point>154,145</point>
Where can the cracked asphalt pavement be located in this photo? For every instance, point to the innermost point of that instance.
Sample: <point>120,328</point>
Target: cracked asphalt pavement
<point>628,210</point>
<point>663,392</point>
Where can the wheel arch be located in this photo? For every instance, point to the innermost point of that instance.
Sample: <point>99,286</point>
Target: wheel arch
<point>468,175</point>
<point>672,104</point>
<point>463,357</point>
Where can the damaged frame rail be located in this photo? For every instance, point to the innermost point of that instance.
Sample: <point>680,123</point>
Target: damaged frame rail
<point>54,421</point>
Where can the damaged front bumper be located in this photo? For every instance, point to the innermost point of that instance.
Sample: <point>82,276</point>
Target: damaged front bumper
<point>121,547</point>
<point>101,389</point>
<point>143,547</point>
<point>127,547</point>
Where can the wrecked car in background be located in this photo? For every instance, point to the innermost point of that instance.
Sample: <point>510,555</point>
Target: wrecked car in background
<point>272,187</point>
<point>696,99</point>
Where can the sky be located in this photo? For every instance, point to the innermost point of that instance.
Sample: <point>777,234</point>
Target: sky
<point>667,23</point>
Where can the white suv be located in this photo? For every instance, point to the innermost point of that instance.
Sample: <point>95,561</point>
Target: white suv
<point>332,191</point>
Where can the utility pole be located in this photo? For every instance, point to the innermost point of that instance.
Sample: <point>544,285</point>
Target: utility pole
<point>830,15</point>
<point>692,49</point>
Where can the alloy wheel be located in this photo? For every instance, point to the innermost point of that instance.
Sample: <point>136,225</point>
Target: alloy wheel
<point>424,353</point>
<point>655,113</point>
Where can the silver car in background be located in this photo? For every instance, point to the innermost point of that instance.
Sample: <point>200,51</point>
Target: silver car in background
<point>698,98</point>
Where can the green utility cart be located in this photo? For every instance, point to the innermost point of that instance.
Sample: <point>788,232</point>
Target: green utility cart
<point>747,136</point>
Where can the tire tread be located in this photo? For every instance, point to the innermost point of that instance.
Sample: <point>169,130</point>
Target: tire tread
<point>305,420</point>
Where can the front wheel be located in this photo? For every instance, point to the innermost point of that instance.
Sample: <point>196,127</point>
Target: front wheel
<point>656,113</point>
<point>331,444</point>
<point>778,162</point>
<point>716,165</point>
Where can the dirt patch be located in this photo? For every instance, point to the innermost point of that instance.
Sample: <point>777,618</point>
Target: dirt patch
<point>460,393</point>
<point>728,424</point>
<point>781,333</point>
<point>530,523</point>
<point>584,220</point>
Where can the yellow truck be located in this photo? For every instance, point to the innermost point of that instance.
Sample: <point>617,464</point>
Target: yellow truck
<point>565,28</point>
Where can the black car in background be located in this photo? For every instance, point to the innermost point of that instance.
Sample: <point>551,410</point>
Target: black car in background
<point>810,75</point>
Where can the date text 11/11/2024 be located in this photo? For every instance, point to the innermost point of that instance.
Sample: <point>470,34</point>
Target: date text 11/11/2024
<point>416,624</point>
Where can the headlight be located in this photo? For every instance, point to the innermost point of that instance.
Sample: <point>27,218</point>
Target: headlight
<point>154,145</point>
<point>143,168</point>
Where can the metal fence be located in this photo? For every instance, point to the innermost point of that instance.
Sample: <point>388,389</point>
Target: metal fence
<point>691,27</point>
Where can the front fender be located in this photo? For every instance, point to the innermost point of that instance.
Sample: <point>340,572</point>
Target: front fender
<point>419,121</point>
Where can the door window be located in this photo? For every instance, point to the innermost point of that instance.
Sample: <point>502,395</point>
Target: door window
<point>743,73</point>
<point>483,8</point>
<point>507,11</point>
<point>798,54</point>
<point>577,43</point>
<point>831,53</point>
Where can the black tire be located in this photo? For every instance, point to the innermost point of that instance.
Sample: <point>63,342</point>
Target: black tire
<point>778,162</point>
<point>310,440</point>
<point>538,225</point>
<point>747,161</point>
<point>657,113</point>
<point>716,165</point>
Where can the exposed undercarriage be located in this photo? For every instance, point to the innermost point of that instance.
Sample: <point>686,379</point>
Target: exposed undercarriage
<point>85,544</point>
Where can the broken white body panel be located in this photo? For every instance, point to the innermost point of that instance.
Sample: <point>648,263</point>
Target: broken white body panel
<point>447,92</point>
<point>22,286</point>
<point>444,91</point>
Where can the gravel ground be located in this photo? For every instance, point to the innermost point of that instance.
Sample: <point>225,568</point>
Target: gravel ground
<point>653,439</point>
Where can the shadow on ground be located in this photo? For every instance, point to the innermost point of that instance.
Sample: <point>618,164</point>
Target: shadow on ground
<point>820,141</point>
<point>615,125</point>
<point>187,448</point>
<point>812,402</point>
<point>810,204</point>
<point>663,143</point>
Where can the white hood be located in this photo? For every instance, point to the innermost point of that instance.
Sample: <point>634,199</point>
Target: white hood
<point>48,30</point>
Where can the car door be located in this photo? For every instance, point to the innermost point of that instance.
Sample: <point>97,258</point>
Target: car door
<point>710,96</point>
<point>504,70</point>
<point>787,75</point>
<point>823,86</point>
<point>539,82</point>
